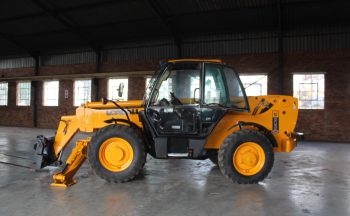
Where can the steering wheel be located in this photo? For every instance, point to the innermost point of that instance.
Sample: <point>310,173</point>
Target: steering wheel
<point>164,102</point>
<point>155,116</point>
<point>174,99</point>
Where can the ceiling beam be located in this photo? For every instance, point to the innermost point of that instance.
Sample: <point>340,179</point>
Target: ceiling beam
<point>81,28</point>
<point>81,76</point>
<point>164,22</point>
<point>166,19</point>
<point>63,10</point>
<point>166,25</point>
<point>66,23</point>
<point>13,41</point>
<point>93,5</point>
<point>113,2</point>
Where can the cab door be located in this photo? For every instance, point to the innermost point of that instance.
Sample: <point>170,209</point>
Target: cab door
<point>174,105</point>
<point>214,94</point>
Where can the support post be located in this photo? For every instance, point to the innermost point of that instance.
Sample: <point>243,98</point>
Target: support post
<point>35,93</point>
<point>178,43</point>
<point>167,26</point>
<point>280,49</point>
<point>96,80</point>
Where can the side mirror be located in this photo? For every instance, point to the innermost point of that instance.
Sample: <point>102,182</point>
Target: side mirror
<point>104,101</point>
<point>120,89</point>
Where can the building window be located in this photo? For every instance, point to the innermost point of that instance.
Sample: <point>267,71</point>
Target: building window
<point>254,84</point>
<point>51,89</point>
<point>116,86</point>
<point>309,89</point>
<point>4,93</point>
<point>23,93</point>
<point>147,90</point>
<point>82,91</point>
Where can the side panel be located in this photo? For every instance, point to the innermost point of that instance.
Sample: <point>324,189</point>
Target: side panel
<point>93,115</point>
<point>89,119</point>
<point>280,118</point>
<point>109,105</point>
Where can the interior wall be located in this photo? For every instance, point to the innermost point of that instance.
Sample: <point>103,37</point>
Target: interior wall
<point>329,124</point>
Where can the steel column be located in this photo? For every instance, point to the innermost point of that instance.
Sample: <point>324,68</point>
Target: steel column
<point>280,49</point>
<point>96,80</point>
<point>35,93</point>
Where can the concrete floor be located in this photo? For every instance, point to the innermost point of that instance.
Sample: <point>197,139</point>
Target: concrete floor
<point>313,180</point>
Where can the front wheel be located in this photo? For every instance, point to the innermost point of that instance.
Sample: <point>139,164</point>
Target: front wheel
<point>116,153</point>
<point>246,157</point>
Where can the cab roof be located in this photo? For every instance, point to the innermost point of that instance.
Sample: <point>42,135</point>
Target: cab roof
<point>195,60</point>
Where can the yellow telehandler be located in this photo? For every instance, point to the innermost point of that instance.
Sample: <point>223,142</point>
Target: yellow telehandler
<point>192,109</point>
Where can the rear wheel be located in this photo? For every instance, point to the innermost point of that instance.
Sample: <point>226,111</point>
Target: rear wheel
<point>246,157</point>
<point>116,153</point>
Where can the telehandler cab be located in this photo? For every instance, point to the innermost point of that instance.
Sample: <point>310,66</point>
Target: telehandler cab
<point>192,109</point>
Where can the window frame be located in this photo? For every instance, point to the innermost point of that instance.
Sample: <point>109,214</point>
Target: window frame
<point>44,90</point>
<point>116,78</point>
<point>223,87</point>
<point>160,72</point>
<point>236,74</point>
<point>74,91</point>
<point>318,91</point>
<point>7,94</point>
<point>18,94</point>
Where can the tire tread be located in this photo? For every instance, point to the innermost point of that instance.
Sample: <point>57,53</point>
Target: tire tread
<point>224,153</point>
<point>134,169</point>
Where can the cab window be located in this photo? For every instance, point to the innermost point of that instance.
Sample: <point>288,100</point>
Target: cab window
<point>222,87</point>
<point>180,80</point>
<point>214,88</point>
<point>235,89</point>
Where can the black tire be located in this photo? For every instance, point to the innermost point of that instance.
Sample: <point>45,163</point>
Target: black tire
<point>127,133</point>
<point>228,148</point>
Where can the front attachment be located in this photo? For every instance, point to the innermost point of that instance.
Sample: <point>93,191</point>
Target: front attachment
<point>44,154</point>
<point>73,163</point>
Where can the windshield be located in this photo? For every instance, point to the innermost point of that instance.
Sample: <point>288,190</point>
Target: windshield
<point>178,81</point>
<point>222,87</point>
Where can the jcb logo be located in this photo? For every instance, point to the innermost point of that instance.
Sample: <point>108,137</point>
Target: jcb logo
<point>120,112</point>
<point>115,112</point>
<point>275,122</point>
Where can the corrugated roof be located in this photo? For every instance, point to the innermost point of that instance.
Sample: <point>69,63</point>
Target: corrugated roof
<point>39,26</point>
<point>302,39</point>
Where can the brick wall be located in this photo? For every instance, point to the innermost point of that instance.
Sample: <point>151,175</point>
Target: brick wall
<point>331,124</point>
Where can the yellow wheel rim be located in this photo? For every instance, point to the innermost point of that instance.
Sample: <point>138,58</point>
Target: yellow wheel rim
<point>249,158</point>
<point>116,154</point>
